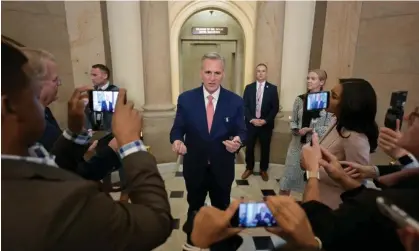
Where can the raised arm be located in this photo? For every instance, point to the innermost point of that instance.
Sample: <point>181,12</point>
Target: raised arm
<point>100,223</point>
<point>240,123</point>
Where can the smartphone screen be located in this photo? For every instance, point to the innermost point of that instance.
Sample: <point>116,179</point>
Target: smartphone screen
<point>253,214</point>
<point>103,101</point>
<point>317,101</point>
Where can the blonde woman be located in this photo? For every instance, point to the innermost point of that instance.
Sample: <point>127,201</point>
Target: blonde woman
<point>302,124</point>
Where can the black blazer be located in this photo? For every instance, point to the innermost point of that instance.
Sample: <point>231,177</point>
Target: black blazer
<point>270,103</point>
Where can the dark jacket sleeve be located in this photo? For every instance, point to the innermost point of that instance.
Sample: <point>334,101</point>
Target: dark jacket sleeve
<point>50,135</point>
<point>270,117</point>
<point>357,220</point>
<point>70,156</point>
<point>387,169</point>
<point>100,165</point>
<point>247,105</point>
<point>178,129</point>
<point>100,223</point>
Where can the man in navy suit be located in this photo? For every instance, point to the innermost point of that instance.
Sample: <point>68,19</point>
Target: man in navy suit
<point>264,218</point>
<point>208,130</point>
<point>261,106</point>
<point>107,105</point>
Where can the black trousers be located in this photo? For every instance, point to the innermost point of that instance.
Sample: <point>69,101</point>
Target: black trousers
<point>198,188</point>
<point>264,135</point>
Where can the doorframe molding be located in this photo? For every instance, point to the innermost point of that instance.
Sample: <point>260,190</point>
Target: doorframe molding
<point>193,7</point>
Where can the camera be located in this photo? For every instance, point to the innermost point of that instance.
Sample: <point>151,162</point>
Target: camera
<point>396,110</point>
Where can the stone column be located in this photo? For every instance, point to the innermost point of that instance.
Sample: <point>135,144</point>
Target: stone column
<point>299,19</point>
<point>340,39</point>
<point>124,22</point>
<point>269,37</point>
<point>158,108</point>
<point>156,55</point>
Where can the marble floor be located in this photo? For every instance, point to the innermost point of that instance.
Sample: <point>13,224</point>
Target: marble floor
<point>252,189</point>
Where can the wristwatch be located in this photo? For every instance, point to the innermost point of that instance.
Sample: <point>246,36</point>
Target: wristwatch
<point>405,160</point>
<point>311,174</point>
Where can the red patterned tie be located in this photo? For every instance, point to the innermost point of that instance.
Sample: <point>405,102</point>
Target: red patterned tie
<point>210,112</point>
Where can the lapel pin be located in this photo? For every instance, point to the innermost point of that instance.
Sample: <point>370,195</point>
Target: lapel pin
<point>227,119</point>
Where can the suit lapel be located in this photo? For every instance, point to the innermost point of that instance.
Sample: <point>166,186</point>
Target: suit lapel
<point>265,95</point>
<point>218,116</point>
<point>202,111</point>
<point>253,91</point>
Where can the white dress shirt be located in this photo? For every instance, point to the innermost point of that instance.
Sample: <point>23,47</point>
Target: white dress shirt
<point>104,87</point>
<point>215,96</point>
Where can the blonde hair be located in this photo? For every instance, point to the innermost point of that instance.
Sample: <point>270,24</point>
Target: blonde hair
<point>37,59</point>
<point>321,74</point>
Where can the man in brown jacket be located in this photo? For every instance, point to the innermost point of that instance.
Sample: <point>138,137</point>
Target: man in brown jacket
<point>48,208</point>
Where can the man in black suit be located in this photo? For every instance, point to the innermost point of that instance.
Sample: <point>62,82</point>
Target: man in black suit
<point>100,75</point>
<point>261,106</point>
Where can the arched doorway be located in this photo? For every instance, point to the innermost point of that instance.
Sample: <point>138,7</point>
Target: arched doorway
<point>206,31</point>
<point>241,15</point>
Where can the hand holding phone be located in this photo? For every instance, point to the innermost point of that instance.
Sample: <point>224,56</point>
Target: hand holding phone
<point>212,225</point>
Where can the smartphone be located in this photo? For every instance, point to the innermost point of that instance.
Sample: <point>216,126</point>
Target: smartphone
<point>317,101</point>
<point>103,101</point>
<point>253,214</point>
<point>396,214</point>
<point>396,110</point>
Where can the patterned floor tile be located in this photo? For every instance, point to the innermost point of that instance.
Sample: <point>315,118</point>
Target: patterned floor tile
<point>176,194</point>
<point>253,189</point>
<point>242,182</point>
<point>176,223</point>
<point>263,242</point>
<point>268,192</point>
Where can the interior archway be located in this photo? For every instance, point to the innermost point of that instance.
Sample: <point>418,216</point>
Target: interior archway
<point>229,43</point>
<point>197,6</point>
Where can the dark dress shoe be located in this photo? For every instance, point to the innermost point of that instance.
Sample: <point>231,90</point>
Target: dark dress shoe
<point>246,174</point>
<point>264,175</point>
